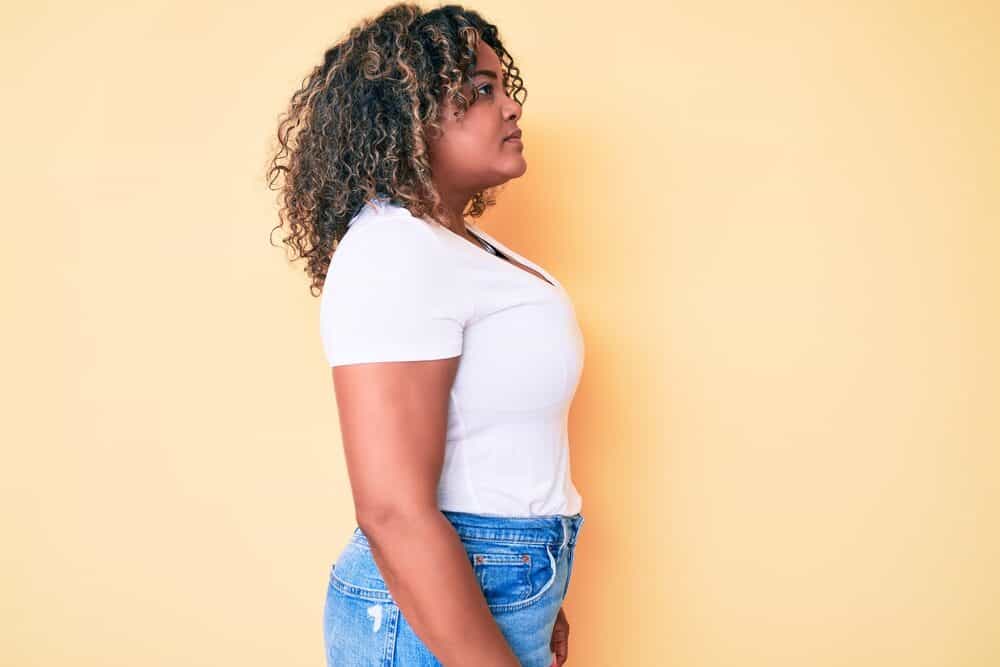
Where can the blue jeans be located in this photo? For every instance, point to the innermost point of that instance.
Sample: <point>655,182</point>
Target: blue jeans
<point>523,567</point>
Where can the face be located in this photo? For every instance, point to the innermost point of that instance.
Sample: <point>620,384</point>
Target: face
<point>471,154</point>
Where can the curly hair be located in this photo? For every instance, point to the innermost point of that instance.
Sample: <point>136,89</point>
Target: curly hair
<point>358,126</point>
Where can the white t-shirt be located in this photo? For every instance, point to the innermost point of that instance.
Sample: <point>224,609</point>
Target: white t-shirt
<point>402,288</point>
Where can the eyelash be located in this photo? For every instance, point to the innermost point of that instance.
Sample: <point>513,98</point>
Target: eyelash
<point>484,85</point>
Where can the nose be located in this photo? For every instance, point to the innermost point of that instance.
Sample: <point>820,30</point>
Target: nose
<point>513,109</point>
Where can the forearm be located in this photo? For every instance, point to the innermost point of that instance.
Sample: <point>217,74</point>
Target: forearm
<point>428,573</point>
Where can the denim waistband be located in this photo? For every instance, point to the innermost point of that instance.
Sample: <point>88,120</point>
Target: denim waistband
<point>557,529</point>
<point>550,529</point>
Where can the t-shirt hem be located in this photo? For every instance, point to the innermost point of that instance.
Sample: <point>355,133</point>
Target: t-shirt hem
<point>398,353</point>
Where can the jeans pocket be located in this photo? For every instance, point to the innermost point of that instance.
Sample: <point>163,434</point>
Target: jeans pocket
<point>356,575</point>
<point>512,576</point>
<point>503,577</point>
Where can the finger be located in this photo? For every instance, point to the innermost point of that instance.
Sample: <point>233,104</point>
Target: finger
<point>560,649</point>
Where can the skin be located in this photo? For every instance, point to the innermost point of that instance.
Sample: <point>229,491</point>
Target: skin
<point>394,416</point>
<point>472,154</point>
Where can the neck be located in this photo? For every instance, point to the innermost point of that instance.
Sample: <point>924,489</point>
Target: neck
<point>454,205</point>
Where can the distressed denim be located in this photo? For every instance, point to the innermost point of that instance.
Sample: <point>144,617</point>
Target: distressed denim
<point>523,567</point>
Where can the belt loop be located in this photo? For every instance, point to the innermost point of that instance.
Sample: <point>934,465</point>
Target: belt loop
<point>565,540</point>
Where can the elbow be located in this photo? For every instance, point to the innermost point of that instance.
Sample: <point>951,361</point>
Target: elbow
<point>383,517</point>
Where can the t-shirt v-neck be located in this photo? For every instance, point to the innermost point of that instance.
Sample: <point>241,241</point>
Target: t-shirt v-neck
<point>507,253</point>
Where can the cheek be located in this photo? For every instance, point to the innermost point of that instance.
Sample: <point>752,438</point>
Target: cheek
<point>481,126</point>
<point>468,145</point>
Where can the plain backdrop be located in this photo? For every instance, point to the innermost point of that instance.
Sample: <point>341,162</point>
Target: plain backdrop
<point>778,223</point>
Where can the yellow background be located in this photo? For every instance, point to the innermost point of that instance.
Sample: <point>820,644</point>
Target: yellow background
<point>779,225</point>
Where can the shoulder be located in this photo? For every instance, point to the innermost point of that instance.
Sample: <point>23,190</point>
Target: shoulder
<point>389,232</point>
<point>387,248</point>
<point>391,293</point>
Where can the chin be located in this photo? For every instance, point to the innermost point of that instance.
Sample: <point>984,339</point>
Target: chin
<point>515,171</point>
<point>519,171</point>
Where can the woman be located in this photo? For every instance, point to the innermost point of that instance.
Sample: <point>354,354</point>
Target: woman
<point>454,359</point>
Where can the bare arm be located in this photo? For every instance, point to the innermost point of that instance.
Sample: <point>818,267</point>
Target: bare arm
<point>393,417</point>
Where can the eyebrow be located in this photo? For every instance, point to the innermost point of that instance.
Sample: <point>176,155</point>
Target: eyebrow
<point>485,72</point>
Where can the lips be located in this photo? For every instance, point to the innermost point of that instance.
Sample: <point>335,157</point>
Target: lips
<point>513,135</point>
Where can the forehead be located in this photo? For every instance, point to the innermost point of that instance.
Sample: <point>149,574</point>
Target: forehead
<point>486,58</point>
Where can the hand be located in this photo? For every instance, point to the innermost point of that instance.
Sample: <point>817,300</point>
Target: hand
<point>560,639</point>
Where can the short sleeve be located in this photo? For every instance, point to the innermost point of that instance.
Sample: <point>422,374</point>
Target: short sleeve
<point>390,295</point>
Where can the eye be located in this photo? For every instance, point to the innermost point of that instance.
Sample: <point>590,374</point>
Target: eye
<point>487,85</point>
